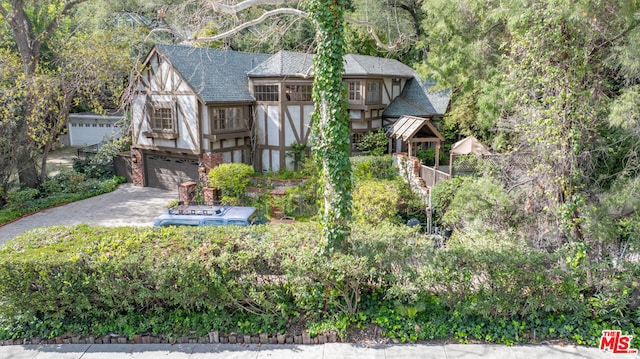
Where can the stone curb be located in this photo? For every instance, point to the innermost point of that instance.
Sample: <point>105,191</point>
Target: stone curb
<point>214,337</point>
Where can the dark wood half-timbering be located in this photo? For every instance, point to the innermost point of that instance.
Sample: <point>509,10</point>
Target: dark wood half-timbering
<point>254,108</point>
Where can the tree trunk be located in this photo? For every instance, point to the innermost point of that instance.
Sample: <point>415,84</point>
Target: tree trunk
<point>331,120</point>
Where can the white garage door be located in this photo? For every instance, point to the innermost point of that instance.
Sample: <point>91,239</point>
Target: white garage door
<point>85,132</point>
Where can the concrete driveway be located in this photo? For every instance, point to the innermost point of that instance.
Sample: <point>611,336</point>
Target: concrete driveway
<point>126,206</point>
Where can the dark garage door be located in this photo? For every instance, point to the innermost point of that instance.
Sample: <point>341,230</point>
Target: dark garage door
<point>167,171</point>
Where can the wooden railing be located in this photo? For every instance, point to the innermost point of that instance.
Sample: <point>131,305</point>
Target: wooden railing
<point>431,176</point>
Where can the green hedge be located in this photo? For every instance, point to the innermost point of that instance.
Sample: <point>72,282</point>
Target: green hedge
<point>94,281</point>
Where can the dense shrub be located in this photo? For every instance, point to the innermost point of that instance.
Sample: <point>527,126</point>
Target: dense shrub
<point>59,190</point>
<point>375,201</point>
<point>480,207</point>
<point>93,280</point>
<point>232,179</point>
<point>22,197</point>
<point>428,156</point>
<point>373,167</point>
<point>101,165</point>
<point>374,143</point>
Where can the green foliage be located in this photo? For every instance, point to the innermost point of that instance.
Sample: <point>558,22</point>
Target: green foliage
<point>302,201</point>
<point>428,155</point>
<point>375,202</point>
<point>259,279</point>
<point>374,143</point>
<point>64,188</point>
<point>297,154</point>
<point>373,167</point>
<point>330,119</point>
<point>20,198</point>
<point>232,179</point>
<point>478,207</point>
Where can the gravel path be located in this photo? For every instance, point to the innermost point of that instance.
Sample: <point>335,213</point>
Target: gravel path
<point>126,206</point>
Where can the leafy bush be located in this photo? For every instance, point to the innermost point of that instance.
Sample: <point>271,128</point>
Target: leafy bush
<point>50,196</point>
<point>476,205</point>
<point>374,143</point>
<point>373,167</point>
<point>18,199</point>
<point>232,179</point>
<point>63,182</point>
<point>302,201</point>
<point>101,164</point>
<point>94,167</point>
<point>375,201</point>
<point>260,279</point>
<point>428,156</point>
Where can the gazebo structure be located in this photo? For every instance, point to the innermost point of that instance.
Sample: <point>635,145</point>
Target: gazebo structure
<point>467,146</point>
<point>413,130</point>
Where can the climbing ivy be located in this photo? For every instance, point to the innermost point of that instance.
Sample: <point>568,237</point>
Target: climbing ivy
<point>331,119</point>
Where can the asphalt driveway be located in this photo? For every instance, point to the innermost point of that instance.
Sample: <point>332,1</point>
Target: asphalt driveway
<point>126,206</point>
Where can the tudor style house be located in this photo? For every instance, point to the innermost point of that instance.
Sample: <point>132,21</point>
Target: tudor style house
<point>193,104</point>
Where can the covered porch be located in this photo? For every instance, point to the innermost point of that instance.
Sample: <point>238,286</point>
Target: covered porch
<point>414,131</point>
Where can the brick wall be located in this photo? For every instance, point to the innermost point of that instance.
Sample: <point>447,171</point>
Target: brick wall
<point>187,192</point>
<point>207,161</point>
<point>137,167</point>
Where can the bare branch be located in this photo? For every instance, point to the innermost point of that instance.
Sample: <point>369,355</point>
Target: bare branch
<point>243,5</point>
<point>232,9</point>
<point>266,15</point>
<point>372,32</point>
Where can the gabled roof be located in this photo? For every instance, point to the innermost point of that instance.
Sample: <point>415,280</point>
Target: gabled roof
<point>355,65</point>
<point>215,75</point>
<point>417,99</point>
<point>284,63</point>
<point>287,63</point>
<point>407,127</point>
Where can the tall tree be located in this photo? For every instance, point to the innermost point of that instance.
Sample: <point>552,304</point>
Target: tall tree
<point>30,34</point>
<point>537,78</point>
<point>63,66</point>
<point>331,118</point>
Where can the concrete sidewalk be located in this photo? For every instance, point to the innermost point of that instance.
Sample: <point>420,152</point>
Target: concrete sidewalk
<point>324,351</point>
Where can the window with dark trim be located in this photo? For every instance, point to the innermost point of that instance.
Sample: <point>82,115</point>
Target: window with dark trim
<point>163,117</point>
<point>355,139</point>
<point>355,91</point>
<point>299,92</point>
<point>229,118</point>
<point>374,92</point>
<point>266,93</point>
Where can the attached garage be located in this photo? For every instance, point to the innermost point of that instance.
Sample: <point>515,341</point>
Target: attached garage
<point>163,171</point>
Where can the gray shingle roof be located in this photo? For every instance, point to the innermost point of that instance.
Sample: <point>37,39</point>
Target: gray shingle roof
<point>287,63</point>
<point>284,63</point>
<point>216,75</point>
<point>417,100</point>
<point>375,66</point>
